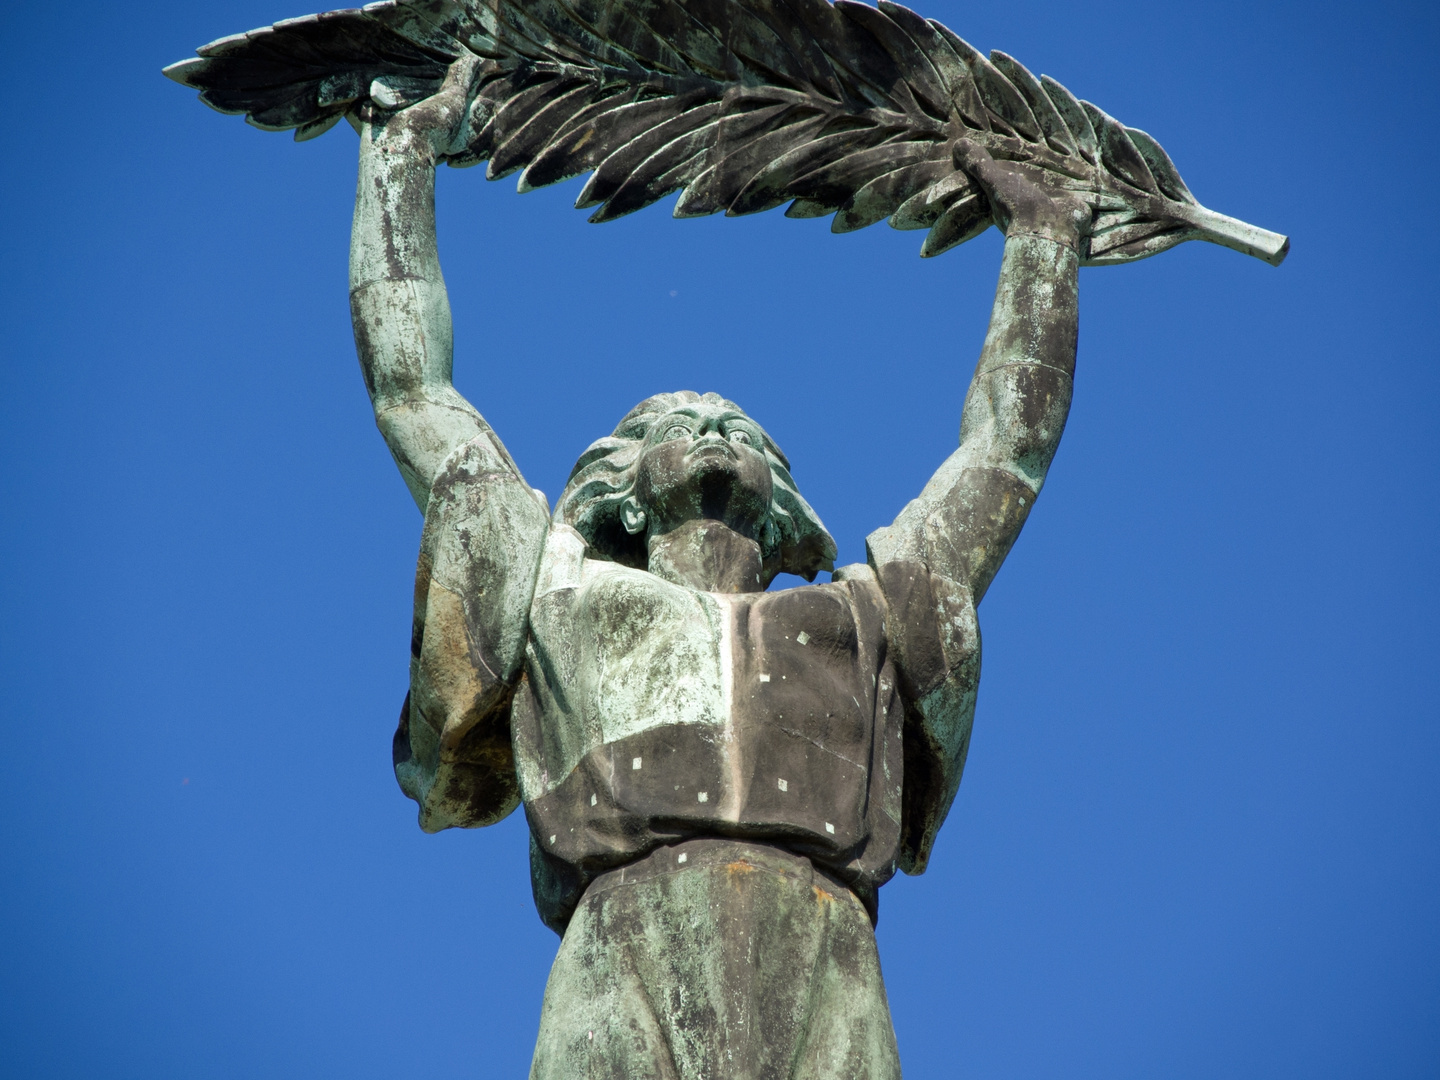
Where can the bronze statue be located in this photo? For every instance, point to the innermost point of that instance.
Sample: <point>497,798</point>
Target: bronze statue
<point>718,779</point>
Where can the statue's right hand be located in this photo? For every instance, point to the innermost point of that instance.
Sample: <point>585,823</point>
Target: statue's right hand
<point>433,127</point>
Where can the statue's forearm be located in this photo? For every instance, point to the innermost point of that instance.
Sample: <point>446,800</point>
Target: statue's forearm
<point>400,309</point>
<point>1019,398</point>
<point>971,511</point>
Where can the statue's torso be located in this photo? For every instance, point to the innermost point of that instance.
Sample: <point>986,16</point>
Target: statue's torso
<point>651,713</point>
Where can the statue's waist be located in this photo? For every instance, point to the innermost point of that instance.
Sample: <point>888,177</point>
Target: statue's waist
<point>737,862</point>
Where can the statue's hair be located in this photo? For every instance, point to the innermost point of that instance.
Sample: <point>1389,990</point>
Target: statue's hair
<point>793,539</point>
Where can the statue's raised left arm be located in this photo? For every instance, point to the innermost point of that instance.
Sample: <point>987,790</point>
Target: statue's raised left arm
<point>969,514</point>
<point>940,555</point>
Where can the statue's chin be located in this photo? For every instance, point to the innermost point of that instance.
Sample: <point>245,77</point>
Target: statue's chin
<point>711,468</point>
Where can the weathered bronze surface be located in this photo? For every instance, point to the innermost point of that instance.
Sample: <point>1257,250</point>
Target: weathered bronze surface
<point>718,779</point>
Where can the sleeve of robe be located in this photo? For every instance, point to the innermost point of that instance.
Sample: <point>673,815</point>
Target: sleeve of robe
<point>479,555</point>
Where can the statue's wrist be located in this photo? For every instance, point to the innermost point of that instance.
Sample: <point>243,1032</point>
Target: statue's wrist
<point>1063,234</point>
<point>397,139</point>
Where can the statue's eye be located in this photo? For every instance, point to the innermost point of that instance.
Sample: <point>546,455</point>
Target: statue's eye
<point>736,435</point>
<point>678,431</point>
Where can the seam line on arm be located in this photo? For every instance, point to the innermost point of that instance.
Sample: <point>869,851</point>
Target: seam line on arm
<point>362,286</point>
<point>1027,362</point>
<point>1072,248</point>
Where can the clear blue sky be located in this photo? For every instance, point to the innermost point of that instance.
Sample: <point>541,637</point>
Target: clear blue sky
<point>1198,832</point>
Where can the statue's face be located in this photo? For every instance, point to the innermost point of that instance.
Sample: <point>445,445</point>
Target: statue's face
<point>704,461</point>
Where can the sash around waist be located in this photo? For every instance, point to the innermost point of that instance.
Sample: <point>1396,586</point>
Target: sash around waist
<point>736,859</point>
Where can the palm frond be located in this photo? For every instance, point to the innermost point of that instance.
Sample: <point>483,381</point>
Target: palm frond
<point>740,105</point>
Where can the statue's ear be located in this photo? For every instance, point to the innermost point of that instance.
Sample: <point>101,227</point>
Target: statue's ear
<point>632,516</point>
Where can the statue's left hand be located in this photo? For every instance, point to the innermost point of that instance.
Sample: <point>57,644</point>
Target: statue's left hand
<point>1025,198</point>
<point>433,128</point>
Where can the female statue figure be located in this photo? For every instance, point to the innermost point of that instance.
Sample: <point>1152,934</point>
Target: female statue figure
<point>718,779</point>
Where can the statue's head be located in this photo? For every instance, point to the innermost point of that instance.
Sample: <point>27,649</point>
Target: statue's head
<point>686,456</point>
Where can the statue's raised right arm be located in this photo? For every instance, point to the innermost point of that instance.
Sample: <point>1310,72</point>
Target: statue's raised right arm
<point>484,526</point>
<point>398,303</point>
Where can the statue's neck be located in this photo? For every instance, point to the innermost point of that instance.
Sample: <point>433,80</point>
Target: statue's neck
<point>709,556</point>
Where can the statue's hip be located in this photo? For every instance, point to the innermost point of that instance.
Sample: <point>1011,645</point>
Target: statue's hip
<point>717,958</point>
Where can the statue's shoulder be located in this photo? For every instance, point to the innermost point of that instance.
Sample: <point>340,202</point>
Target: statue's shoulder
<point>858,573</point>
<point>567,563</point>
<point>930,620</point>
<point>578,594</point>
<point>846,613</point>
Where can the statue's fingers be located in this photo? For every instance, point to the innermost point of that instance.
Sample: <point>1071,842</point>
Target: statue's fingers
<point>975,162</point>
<point>970,156</point>
<point>463,72</point>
